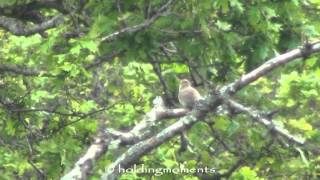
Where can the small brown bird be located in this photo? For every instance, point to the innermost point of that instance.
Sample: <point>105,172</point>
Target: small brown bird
<point>188,96</point>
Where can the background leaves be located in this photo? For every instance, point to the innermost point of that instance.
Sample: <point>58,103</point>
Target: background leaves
<point>49,117</point>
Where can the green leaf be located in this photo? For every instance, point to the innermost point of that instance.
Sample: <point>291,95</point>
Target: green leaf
<point>169,163</point>
<point>37,96</point>
<point>246,173</point>
<point>254,16</point>
<point>222,123</point>
<point>223,25</point>
<point>91,45</point>
<point>300,124</point>
<point>87,106</point>
<point>233,127</point>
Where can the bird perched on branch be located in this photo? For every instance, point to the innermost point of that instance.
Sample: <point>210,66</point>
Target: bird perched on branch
<point>188,96</point>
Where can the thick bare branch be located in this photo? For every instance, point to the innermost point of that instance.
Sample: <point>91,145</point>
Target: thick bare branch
<point>19,28</point>
<point>138,150</point>
<point>18,70</point>
<point>143,130</point>
<point>138,133</point>
<point>270,65</point>
<point>258,116</point>
<point>86,162</point>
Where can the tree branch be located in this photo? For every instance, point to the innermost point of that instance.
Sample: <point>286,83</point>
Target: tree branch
<point>143,130</point>
<point>141,26</point>
<point>85,163</point>
<point>35,5</point>
<point>270,65</point>
<point>136,151</point>
<point>18,70</point>
<point>19,28</point>
<point>138,133</point>
<point>157,69</point>
<point>258,116</point>
<point>33,72</point>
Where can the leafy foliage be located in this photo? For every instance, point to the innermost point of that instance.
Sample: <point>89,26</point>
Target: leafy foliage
<point>49,118</point>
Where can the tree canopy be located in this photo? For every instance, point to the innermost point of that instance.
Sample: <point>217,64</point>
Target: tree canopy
<point>89,86</point>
